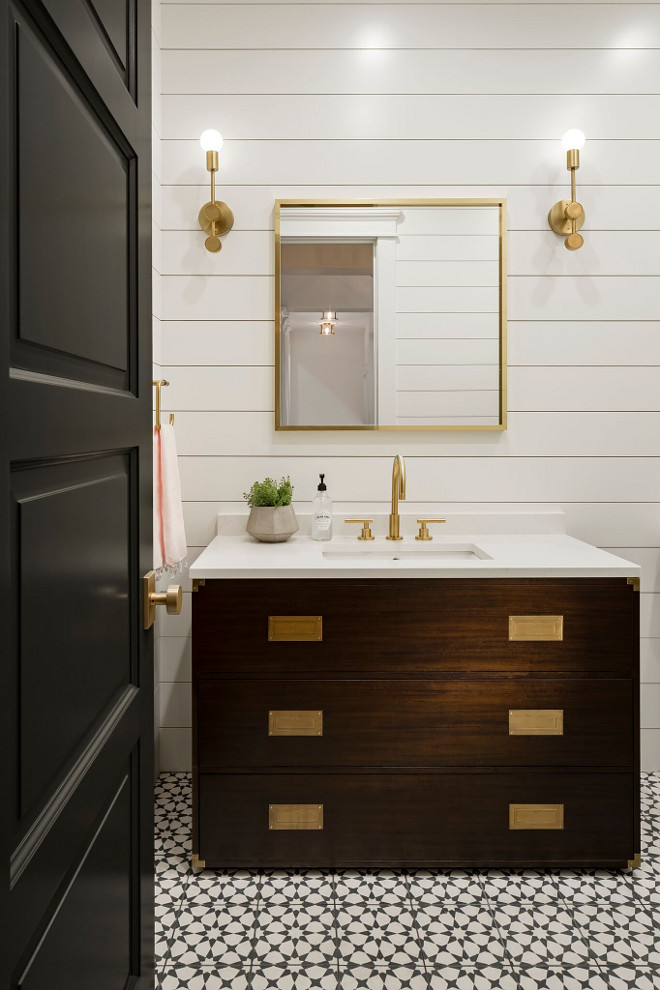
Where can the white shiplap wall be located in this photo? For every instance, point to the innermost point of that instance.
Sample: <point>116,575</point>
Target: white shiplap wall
<point>430,99</point>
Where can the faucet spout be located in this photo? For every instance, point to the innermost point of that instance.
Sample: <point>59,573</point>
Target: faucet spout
<point>398,492</point>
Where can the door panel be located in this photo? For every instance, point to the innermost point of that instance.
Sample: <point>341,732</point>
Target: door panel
<point>92,947</point>
<point>68,679</point>
<point>76,209</point>
<point>76,516</point>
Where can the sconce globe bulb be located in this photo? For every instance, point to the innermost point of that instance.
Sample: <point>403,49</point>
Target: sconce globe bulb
<point>211,140</point>
<point>573,139</point>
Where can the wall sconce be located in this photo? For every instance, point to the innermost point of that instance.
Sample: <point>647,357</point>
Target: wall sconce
<point>215,218</point>
<point>567,216</point>
<point>328,322</point>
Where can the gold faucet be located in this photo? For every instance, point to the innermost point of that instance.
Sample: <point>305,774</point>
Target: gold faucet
<point>398,491</point>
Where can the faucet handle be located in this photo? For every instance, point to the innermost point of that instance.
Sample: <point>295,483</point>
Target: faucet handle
<point>366,528</point>
<point>423,528</point>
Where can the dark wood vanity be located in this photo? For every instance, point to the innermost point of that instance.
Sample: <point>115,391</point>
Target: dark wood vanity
<point>424,722</point>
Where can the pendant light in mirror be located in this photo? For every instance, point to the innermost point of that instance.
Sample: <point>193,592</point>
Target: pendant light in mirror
<point>328,322</point>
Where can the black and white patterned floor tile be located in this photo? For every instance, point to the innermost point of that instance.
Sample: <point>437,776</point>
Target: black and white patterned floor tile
<point>540,935</point>
<point>436,886</point>
<point>377,935</point>
<point>402,930</point>
<point>360,886</point>
<point>465,934</point>
<point>295,934</point>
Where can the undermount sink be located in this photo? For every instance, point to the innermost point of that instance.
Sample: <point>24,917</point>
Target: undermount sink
<point>450,551</point>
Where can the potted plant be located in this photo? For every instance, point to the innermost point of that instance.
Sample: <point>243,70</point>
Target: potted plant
<point>271,519</point>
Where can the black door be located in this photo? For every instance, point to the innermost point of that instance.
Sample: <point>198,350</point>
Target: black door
<point>76,672</point>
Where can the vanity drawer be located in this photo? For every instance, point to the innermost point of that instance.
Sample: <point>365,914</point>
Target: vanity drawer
<point>415,625</point>
<point>414,723</point>
<point>415,819</point>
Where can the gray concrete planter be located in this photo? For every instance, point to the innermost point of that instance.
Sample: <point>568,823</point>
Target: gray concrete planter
<point>272,525</point>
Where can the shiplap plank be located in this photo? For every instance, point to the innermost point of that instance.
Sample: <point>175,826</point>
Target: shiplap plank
<point>451,325</point>
<point>448,273</point>
<point>428,259</point>
<point>212,342</point>
<point>352,26</point>
<point>442,378</point>
<point>617,252</point>
<point>244,252</point>
<point>527,204</point>
<point>586,342</point>
<point>453,352</point>
<point>650,706</point>
<point>357,478</point>
<point>434,408</point>
<point>558,71</point>
<point>628,389</point>
<point>588,298</point>
<point>412,162</point>
<point>323,117</point>
<point>555,434</point>
<point>231,388</point>
<point>447,299</point>
<point>233,297</point>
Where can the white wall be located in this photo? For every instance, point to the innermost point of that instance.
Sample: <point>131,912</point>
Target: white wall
<point>323,100</point>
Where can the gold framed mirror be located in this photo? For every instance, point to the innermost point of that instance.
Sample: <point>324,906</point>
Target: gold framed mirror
<point>390,314</point>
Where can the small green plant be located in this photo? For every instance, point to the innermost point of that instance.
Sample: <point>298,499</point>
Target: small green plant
<point>268,492</point>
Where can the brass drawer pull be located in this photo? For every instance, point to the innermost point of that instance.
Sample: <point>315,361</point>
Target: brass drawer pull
<point>295,723</point>
<point>536,722</point>
<point>295,628</point>
<point>283,817</point>
<point>536,816</point>
<point>539,628</point>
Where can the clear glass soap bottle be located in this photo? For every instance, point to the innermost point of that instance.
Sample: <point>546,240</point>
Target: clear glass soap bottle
<point>322,513</point>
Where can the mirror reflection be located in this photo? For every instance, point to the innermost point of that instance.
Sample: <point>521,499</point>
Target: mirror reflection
<point>390,316</point>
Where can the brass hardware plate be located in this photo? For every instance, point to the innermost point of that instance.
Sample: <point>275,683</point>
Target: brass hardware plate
<point>295,723</point>
<point>302,817</point>
<point>536,816</point>
<point>536,722</point>
<point>635,582</point>
<point>198,583</point>
<point>197,863</point>
<point>636,862</point>
<point>295,628</point>
<point>539,628</point>
<point>172,599</point>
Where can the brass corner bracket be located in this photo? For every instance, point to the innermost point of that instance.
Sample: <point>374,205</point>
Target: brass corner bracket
<point>636,862</point>
<point>197,863</point>
<point>635,582</point>
<point>198,583</point>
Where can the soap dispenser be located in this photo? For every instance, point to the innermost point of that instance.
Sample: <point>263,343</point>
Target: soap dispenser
<point>322,513</point>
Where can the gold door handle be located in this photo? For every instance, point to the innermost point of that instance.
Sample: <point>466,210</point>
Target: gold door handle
<point>423,528</point>
<point>366,528</point>
<point>171,599</point>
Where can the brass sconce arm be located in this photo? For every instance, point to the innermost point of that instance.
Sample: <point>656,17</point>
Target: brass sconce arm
<point>567,216</point>
<point>215,217</point>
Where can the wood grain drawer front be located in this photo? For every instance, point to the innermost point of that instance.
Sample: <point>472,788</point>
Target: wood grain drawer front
<point>406,820</point>
<point>417,723</point>
<point>439,625</point>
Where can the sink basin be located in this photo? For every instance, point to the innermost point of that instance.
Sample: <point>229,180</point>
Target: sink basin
<point>449,551</point>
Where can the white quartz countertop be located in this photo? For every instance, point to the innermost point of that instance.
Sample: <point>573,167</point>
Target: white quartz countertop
<point>509,555</point>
